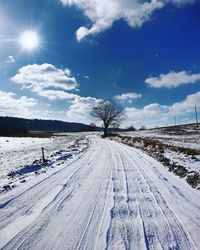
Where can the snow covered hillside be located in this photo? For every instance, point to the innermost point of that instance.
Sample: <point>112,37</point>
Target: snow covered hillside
<point>187,135</point>
<point>111,196</point>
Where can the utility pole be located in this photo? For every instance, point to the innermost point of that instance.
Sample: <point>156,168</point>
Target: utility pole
<point>195,109</point>
<point>175,120</point>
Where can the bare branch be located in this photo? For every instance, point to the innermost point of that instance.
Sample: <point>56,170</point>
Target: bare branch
<point>110,112</point>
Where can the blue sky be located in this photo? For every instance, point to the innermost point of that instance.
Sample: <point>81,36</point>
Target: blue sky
<point>144,54</point>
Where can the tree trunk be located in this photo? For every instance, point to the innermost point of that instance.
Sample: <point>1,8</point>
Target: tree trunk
<point>105,131</point>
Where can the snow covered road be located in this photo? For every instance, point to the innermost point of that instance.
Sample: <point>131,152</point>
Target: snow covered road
<point>113,197</point>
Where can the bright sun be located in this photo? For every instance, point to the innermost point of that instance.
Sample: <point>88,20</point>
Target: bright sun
<point>29,40</point>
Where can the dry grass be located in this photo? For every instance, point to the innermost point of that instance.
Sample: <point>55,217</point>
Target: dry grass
<point>156,149</point>
<point>34,134</point>
<point>193,179</point>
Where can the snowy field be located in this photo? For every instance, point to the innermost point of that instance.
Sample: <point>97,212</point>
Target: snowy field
<point>108,196</point>
<point>21,153</point>
<point>188,136</point>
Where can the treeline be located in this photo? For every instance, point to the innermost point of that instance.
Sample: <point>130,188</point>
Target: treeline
<point>16,126</point>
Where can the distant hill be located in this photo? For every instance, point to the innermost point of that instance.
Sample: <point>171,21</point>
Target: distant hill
<point>182,129</point>
<point>16,126</point>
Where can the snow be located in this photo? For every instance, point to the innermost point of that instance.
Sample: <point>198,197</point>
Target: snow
<point>188,138</point>
<point>19,153</point>
<point>110,196</point>
<point>178,148</point>
<point>189,162</point>
<point>14,143</point>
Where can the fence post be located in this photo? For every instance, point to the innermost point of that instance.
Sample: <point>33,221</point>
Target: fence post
<point>43,159</point>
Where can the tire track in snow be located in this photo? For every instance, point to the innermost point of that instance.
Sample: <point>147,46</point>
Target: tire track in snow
<point>21,212</point>
<point>96,218</point>
<point>106,200</point>
<point>33,234</point>
<point>119,232</point>
<point>22,208</point>
<point>124,233</point>
<point>168,232</point>
<point>160,199</point>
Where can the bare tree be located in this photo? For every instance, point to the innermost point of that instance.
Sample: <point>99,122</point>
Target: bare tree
<point>110,112</point>
<point>142,127</point>
<point>93,126</point>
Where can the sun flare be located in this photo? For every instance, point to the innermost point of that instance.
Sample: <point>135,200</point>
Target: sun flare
<point>29,40</point>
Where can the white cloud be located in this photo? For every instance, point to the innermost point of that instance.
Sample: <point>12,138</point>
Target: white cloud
<point>86,77</point>
<point>46,79</point>
<point>159,115</point>
<point>81,33</point>
<point>103,13</point>
<point>10,59</point>
<point>172,79</point>
<point>128,97</point>
<point>186,106</point>
<point>150,115</point>
<point>80,109</point>
<point>57,95</point>
<point>10,105</point>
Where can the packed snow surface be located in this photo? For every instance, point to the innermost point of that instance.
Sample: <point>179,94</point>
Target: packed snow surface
<point>112,197</point>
